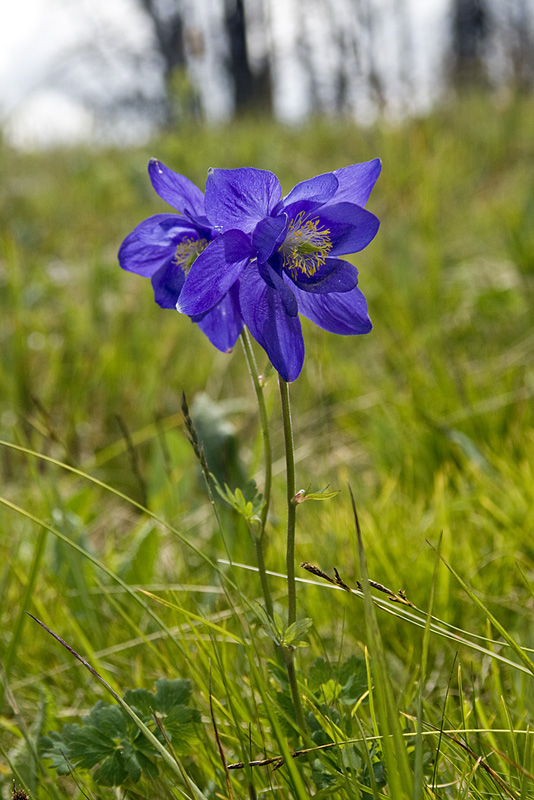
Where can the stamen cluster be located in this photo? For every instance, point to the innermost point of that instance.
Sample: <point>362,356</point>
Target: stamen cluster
<point>305,247</point>
<point>187,251</point>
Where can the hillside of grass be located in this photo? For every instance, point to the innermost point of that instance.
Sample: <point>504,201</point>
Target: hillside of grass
<point>429,418</point>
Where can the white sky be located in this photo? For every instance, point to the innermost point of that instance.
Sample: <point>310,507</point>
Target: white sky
<point>37,39</point>
<point>32,33</point>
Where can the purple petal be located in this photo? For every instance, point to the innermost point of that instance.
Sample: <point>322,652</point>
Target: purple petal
<point>167,229</point>
<point>214,272</point>
<point>167,283</point>
<point>279,334</point>
<point>240,198</point>
<point>356,182</point>
<point>334,275</point>
<point>144,259</point>
<point>343,313</point>
<point>316,190</point>
<point>351,227</point>
<point>223,324</point>
<point>273,279</point>
<point>305,208</point>
<point>268,234</point>
<point>176,189</point>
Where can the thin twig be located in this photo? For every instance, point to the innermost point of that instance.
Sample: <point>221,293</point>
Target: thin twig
<point>80,658</point>
<point>395,597</point>
<point>194,440</point>
<point>279,761</point>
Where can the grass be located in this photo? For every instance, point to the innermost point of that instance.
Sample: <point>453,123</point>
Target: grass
<point>429,418</point>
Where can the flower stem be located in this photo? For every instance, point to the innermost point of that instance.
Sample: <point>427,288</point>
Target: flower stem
<point>288,652</point>
<point>291,506</point>
<point>259,539</point>
<point>288,655</point>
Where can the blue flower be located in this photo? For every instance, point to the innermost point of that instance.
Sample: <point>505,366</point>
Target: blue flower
<point>165,246</point>
<point>283,254</point>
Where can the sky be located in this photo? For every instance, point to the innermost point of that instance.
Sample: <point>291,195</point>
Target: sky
<point>32,33</point>
<point>38,38</point>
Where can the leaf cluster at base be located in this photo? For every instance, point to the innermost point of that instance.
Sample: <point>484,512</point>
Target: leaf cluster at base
<point>109,740</point>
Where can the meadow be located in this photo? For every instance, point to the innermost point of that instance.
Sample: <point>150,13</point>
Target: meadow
<point>110,536</point>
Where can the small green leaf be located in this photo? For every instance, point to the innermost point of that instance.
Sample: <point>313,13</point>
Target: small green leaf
<point>305,494</point>
<point>347,683</point>
<point>294,634</point>
<point>247,502</point>
<point>110,721</point>
<point>171,693</point>
<point>320,672</point>
<point>353,678</point>
<point>330,692</point>
<point>140,699</point>
<point>111,771</point>
<point>56,748</point>
<point>87,745</point>
<point>274,628</point>
<point>130,758</point>
<point>181,726</point>
<point>148,767</point>
<point>322,495</point>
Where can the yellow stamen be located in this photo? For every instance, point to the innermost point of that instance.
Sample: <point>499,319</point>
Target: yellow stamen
<point>306,246</point>
<point>187,251</point>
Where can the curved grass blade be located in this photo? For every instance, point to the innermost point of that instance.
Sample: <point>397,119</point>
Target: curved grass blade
<point>403,613</point>
<point>173,763</point>
<point>518,650</point>
<point>135,595</point>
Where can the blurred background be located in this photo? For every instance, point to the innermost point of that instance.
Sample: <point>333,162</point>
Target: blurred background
<point>120,70</point>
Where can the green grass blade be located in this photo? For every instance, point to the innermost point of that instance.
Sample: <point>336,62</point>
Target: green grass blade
<point>399,774</point>
<point>518,650</point>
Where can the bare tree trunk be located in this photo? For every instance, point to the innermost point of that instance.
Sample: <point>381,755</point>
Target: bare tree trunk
<point>169,34</point>
<point>252,89</point>
<point>470,32</point>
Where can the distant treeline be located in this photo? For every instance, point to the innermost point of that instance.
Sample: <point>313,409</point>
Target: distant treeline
<point>210,59</point>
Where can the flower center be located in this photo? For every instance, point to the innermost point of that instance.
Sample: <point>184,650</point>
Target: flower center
<point>187,251</point>
<point>306,246</point>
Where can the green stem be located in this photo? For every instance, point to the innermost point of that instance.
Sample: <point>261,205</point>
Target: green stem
<point>288,652</point>
<point>289,660</point>
<point>260,561</point>
<point>291,506</point>
<point>259,540</point>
